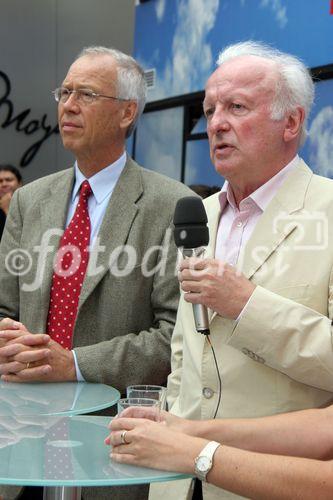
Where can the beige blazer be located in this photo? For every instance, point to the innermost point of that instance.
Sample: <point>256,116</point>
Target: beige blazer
<point>278,357</point>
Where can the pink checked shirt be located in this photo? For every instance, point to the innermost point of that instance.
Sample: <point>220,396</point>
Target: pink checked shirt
<point>237,224</point>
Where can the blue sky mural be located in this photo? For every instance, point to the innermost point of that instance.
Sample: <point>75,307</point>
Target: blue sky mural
<point>181,39</point>
<point>318,149</point>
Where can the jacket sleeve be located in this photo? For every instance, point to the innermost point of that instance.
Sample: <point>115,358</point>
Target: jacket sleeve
<point>174,379</point>
<point>288,336</point>
<point>142,357</point>
<point>10,260</point>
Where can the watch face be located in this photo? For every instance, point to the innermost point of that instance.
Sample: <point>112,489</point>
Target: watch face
<point>203,464</point>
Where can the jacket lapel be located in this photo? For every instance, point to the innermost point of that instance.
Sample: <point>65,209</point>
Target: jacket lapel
<point>213,214</point>
<point>53,213</point>
<point>276,224</point>
<point>213,210</point>
<point>116,225</point>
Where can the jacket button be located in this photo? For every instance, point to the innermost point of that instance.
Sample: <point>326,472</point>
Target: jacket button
<point>207,393</point>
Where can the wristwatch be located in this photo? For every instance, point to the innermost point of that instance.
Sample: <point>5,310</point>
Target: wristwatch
<point>204,461</point>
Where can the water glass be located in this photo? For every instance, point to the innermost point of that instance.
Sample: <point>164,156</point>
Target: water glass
<point>148,391</point>
<point>140,402</point>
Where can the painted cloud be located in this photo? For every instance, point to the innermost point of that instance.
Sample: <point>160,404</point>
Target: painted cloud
<point>321,142</point>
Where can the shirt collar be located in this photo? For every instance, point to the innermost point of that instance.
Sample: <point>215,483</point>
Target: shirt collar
<point>102,183</point>
<point>264,194</point>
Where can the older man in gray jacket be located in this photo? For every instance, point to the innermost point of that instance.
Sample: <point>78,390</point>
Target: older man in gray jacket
<point>108,301</point>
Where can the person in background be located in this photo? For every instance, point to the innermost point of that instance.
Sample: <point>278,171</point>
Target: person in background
<point>105,308</point>
<point>267,278</point>
<point>10,180</point>
<point>281,457</point>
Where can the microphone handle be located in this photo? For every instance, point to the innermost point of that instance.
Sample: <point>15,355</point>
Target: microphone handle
<point>201,318</point>
<point>199,311</point>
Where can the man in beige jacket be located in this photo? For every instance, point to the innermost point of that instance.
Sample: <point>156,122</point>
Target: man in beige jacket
<point>267,276</point>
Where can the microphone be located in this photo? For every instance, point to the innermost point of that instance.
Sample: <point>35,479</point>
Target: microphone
<point>191,237</point>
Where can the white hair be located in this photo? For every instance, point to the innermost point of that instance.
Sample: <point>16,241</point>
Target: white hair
<point>294,85</point>
<point>131,83</point>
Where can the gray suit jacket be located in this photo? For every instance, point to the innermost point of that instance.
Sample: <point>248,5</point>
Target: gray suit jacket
<point>125,320</point>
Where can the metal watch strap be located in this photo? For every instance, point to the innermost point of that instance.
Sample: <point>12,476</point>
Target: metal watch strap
<point>208,452</point>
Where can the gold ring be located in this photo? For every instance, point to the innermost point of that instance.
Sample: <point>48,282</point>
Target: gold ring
<point>123,437</point>
<point>28,365</point>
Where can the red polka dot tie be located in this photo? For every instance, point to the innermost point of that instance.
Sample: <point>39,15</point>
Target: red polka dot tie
<point>69,271</point>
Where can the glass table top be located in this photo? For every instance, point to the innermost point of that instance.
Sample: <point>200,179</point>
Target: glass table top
<point>65,451</point>
<point>66,398</point>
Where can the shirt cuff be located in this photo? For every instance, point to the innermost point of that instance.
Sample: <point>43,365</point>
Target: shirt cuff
<point>79,376</point>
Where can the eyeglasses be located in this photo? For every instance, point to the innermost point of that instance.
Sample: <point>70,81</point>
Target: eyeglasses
<point>84,96</point>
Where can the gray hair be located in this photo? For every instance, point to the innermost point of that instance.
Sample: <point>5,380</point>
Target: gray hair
<point>294,86</point>
<point>131,83</point>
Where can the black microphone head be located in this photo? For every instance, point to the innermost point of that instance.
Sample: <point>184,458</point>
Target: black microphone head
<point>190,221</point>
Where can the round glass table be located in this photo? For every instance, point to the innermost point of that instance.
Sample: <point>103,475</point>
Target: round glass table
<point>64,398</point>
<point>68,453</point>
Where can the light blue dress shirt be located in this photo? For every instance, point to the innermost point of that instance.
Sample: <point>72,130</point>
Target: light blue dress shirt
<point>102,185</point>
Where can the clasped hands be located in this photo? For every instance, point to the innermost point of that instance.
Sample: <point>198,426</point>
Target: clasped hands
<point>216,285</point>
<point>28,357</point>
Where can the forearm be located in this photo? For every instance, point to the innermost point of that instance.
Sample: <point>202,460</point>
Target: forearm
<point>127,359</point>
<point>249,474</point>
<point>260,476</point>
<point>306,433</point>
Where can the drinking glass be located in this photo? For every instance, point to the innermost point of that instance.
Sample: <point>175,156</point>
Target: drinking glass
<point>148,391</point>
<point>124,403</point>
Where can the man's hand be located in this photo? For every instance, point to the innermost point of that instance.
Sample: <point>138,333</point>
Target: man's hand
<point>28,357</point>
<point>216,285</point>
<point>21,350</point>
<point>10,324</point>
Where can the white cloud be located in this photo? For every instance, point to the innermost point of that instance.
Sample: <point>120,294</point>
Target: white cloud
<point>160,9</point>
<point>191,60</point>
<point>321,142</point>
<point>279,9</point>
